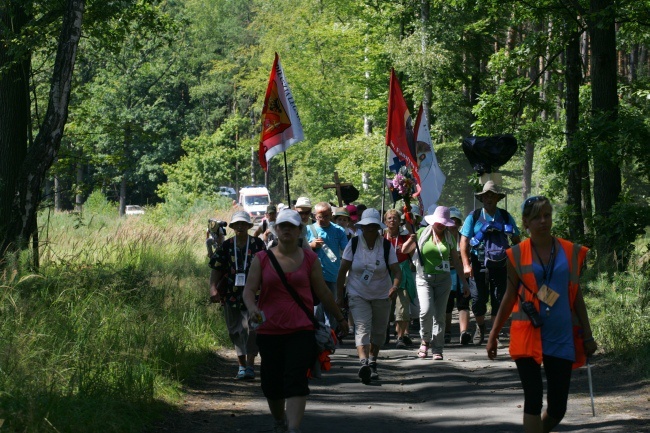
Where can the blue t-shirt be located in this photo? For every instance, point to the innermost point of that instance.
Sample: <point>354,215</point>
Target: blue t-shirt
<point>335,238</point>
<point>471,227</point>
<point>557,331</point>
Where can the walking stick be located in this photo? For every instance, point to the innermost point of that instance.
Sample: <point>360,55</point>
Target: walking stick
<point>591,388</point>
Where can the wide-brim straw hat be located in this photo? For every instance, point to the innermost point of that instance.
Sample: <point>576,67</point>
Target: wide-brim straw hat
<point>370,216</point>
<point>303,202</point>
<point>489,186</point>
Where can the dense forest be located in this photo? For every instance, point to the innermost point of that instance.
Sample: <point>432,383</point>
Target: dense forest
<point>159,101</point>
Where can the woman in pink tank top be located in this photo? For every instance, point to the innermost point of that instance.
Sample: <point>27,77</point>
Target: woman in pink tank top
<point>285,334</point>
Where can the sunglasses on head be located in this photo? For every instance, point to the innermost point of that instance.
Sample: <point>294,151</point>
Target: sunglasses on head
<point>531,200</point>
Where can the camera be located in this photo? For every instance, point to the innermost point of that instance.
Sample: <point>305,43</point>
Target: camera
<point>217,227</point>
<point>215,235</point>
<point>532,313</point>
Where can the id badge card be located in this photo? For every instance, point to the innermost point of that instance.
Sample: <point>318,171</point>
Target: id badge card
<point>367,276</point>
<point>240,280</point>
<point>445,266</point>
<point>547,295</point>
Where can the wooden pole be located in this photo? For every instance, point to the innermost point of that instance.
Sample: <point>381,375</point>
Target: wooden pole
<point>286,179</point>
<point>337,184</point>
<point>383,192</point>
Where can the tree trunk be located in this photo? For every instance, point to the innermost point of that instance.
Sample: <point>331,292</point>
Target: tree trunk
<point>78,197</point>
<point>123,195</point>
<point>604,104</point>
<point>573,80</point>
<point>39,158</point>
<point>58,202</point>
<point>14,114</point>
<point>633,63</point>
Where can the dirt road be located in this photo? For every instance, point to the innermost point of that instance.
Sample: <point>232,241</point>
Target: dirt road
<point>464,393</point>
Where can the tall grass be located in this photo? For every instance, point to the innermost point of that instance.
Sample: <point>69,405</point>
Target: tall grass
<point>102,337</point>
<point>619,308</point>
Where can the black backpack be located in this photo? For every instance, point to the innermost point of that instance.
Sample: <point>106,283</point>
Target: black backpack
<point>495,242</point>
<point>387,247</point>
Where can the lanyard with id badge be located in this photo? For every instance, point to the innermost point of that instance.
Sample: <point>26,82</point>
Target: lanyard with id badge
<point>371,265</point>
<point>545,294</point>
<point>444,264</point>
<point>240,276</point>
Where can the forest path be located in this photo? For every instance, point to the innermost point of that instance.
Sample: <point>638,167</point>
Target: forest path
<point>465,393</point>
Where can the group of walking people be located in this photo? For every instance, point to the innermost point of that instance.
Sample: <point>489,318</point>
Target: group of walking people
<point>373,267</point>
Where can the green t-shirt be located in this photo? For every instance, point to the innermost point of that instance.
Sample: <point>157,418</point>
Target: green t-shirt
<point>434,252</point>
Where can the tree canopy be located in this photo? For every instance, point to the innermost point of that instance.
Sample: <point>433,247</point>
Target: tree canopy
<point>166,97</point>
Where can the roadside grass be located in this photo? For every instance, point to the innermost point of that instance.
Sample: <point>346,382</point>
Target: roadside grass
<point>103,336</point>
<point>619,310</point>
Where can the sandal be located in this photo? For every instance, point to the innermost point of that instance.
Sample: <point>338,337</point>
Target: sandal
<point>241,373</point>
<point>424,350</point>
<point>437,357</point>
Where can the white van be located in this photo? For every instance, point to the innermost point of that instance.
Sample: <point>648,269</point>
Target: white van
<point>254,200</point>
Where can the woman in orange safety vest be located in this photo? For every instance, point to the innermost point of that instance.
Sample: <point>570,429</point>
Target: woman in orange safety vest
<point>549,324</point>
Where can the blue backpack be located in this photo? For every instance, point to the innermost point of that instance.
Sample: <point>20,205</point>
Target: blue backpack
<point>492,241</point>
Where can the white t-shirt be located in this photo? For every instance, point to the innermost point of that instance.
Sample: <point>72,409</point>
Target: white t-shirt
<point>372,261</point>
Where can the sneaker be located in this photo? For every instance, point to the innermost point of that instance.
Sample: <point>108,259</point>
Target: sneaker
<point>365,372</point>
<point>373,371</point>
<point>479,335</point>
<point>465,338</point>
<point>407,340</point>
<point>241,373</point>
<point>447,337</point>
<point>400,343</point>
<point>249,374</point>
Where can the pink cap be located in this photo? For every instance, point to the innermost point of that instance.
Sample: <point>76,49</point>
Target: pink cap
<point>352,210</point>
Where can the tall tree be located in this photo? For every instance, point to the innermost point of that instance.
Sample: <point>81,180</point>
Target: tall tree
<point>604,104</point>
<point>22,194</point>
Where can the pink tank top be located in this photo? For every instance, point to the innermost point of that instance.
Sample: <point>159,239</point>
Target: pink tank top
<point>283,315</point>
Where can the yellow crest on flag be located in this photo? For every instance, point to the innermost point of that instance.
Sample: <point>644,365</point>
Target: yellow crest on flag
<point>275,115</point>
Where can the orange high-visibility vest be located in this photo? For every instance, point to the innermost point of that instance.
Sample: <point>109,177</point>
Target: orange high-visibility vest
<point>526,340</point>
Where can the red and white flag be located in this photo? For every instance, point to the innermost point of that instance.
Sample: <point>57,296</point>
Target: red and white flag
<point>431,176</point>
<point>400,135</point>
<point>281,127</point>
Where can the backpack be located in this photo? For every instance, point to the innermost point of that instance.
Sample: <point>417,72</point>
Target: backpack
<point>271,239</point>
<point>493,246</point>
<point>387,247</point>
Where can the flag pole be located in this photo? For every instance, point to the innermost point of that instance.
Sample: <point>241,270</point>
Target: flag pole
<point>383,194</point>
<point>286,179</point>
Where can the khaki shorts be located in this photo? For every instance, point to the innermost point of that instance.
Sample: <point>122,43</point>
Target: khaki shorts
<point>402,306</point>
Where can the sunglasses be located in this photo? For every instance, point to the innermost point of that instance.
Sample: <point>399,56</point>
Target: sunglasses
<point>531,200</point>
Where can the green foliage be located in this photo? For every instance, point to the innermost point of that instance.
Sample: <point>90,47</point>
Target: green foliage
<point>97,203</point>
<point>209,162</point>
<point>619,309</point>
<point>104,335</point>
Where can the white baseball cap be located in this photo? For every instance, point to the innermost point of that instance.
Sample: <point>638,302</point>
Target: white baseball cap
<point>288,216</point>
